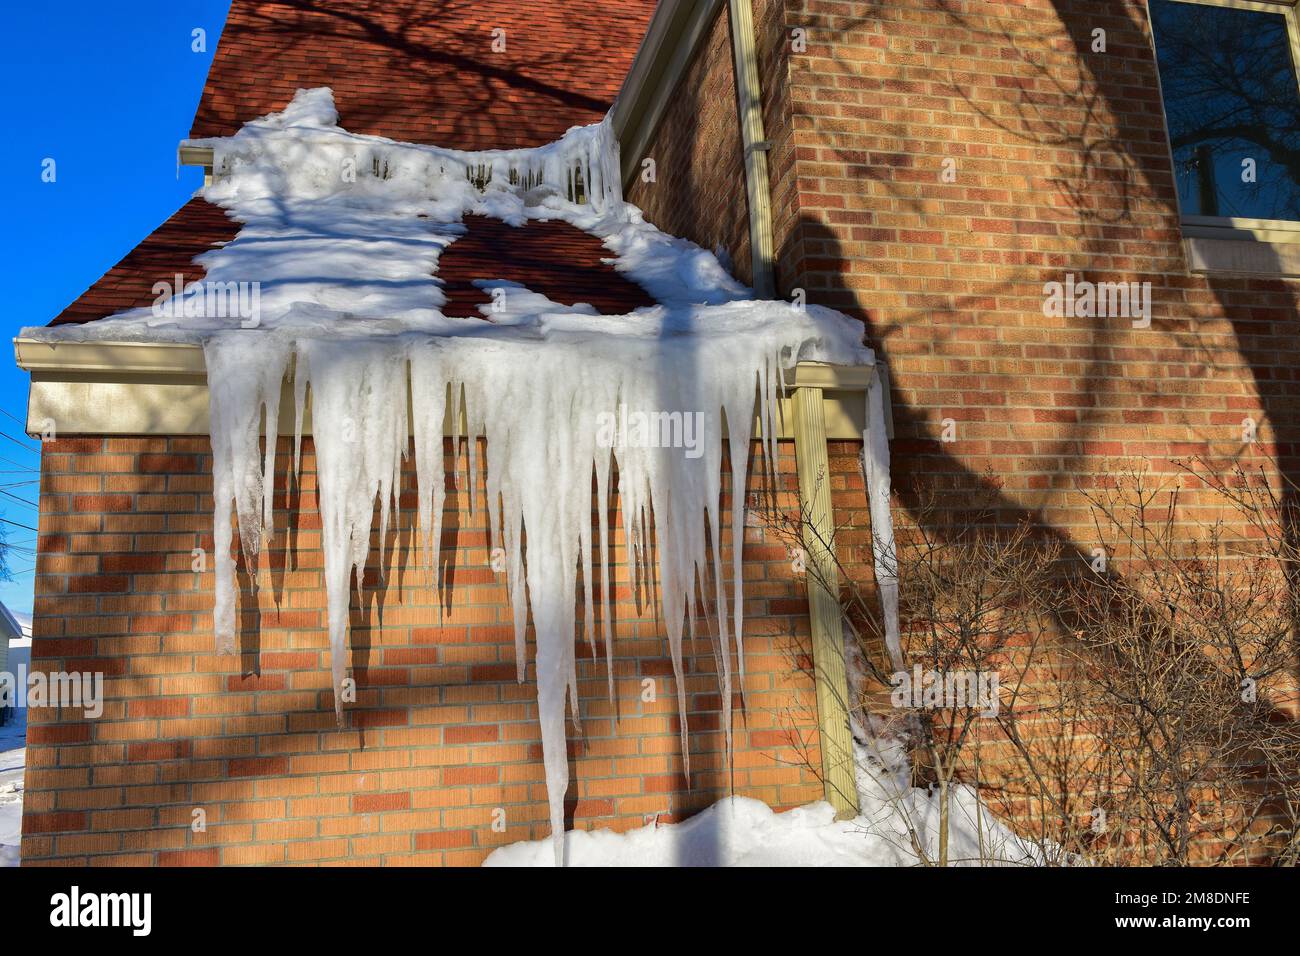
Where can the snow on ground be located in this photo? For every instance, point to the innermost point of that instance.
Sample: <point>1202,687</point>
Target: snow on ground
<point>13,762</point>
<point>739,831</point>
<point>13,752</point>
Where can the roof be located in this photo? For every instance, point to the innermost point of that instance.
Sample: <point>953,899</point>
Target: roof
<point>552,258</point>
<point>418,71</point>
<point>170,249</point>
<point>10,627</point>
<point>425,71</point>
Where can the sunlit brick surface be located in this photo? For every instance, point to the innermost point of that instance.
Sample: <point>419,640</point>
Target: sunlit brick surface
<point>1061,166</point>
<point>442,734</point>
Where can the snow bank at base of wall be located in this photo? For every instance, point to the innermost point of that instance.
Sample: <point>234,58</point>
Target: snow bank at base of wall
<point>739,831</point>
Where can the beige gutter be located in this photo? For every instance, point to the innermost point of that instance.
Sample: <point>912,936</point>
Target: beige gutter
<point>135,388</point>
<point>190,155</point>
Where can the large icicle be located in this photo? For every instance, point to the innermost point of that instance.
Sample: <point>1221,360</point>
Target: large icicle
<point>359,429</point>
<point>244,382</point>
<point>551,410</point>
<point>344,233</point>
<point>875,472</point>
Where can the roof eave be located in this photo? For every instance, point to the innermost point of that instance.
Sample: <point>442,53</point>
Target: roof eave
<point>149,388</point>
<point>666,51</point>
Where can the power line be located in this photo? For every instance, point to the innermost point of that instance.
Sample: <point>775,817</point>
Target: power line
<point>17,524</point>
<point>14,417</point>
<point>20,444</point>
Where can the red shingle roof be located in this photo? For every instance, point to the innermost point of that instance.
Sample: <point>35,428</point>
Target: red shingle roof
<point>553,258</point>
<point>424,71</point>
<point>195,228</point>
<point>419,71</point>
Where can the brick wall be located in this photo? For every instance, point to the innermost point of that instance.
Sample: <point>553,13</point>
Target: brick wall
<point>441,734</point>
<point>1062,165</point>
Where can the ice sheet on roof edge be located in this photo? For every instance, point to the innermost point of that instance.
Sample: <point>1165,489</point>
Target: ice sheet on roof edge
<point>535,384</point>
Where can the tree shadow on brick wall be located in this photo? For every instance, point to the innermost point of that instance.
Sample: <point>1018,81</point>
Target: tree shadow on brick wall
<point>1100,168</point>
<point>1112,174</point>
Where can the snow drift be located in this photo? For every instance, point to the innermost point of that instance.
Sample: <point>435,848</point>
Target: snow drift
<point>897,825</point>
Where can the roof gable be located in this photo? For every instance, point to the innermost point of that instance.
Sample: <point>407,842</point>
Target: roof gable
<point>170,249</point>
<point>420,71</point>
<point>425,71</point>
<point>552,258</point>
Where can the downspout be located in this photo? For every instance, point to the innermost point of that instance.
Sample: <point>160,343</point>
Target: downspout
<point>761,243</point>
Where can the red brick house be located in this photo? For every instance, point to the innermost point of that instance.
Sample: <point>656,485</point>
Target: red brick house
<point>926,166</point>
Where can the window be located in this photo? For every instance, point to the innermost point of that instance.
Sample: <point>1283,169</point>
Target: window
<point>1232,104</point>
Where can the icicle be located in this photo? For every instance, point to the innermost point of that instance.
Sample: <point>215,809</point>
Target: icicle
<point>588,590</point>
<point>358,400</point>
<point>534,390</point>
<point>244,380</point>
<point>740,424</point>
<point>429,389</point>
<point>875,471</point>
<point>299,411</point>
<point>602,504</point>
<point>538,408</point>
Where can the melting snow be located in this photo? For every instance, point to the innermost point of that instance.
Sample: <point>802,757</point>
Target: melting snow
<point>343,233</point>
<point>895,818</point>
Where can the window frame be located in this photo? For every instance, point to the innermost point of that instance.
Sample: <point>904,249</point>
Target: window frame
<point>1231,227</point>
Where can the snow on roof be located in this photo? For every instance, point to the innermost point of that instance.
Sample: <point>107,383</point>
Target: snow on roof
<point>553,257</point>
<point>13,626</point>
<point>336,226</point>
<point>340,243</point>
<point>387,62</point>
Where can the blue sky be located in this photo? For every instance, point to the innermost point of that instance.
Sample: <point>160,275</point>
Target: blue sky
<point>106,90</point>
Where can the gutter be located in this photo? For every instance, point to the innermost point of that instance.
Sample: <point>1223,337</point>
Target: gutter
<point>187,154</point>
<point>190,155</point>
<point>148,388</point>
